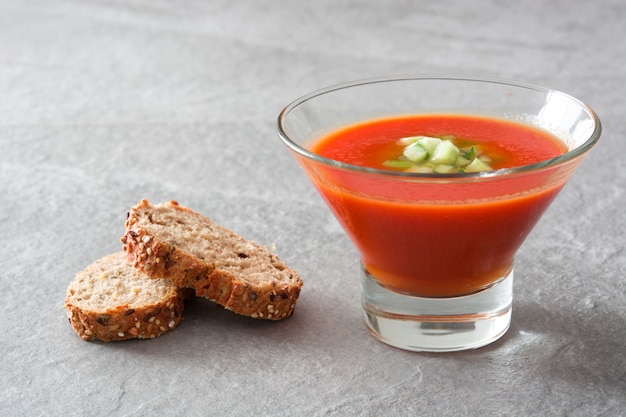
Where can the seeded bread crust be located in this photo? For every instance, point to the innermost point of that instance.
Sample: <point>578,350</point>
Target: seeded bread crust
<point>110,300</point>
<point>174,242</point>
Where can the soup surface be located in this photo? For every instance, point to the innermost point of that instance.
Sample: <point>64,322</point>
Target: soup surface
<point>506,143</point>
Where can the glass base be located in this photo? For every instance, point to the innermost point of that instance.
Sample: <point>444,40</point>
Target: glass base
<point>437,324</point>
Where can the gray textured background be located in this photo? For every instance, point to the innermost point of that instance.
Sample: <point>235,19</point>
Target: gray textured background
<point>105,102</point>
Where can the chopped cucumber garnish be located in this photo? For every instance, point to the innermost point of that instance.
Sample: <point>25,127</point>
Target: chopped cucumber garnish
<point>415,152</point>
<point>443,169</point>
<point>398,164</point>
<point>445,153</point>
<point>477,166</point>
<point>438,155</point>
<point>430,144</point>
<point>461,161</point>
<point>470,153</point>
<point>408,140</point>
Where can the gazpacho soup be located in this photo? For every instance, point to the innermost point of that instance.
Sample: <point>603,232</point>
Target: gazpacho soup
<point>424,234</point>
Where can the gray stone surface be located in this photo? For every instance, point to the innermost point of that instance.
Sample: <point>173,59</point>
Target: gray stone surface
<point>105,102</point>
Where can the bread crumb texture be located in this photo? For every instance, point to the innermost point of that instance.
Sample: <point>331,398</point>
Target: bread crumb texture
<point>171,241</point>
<point>111,300</point>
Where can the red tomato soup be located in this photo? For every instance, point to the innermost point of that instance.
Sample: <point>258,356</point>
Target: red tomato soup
<point>437,238</point>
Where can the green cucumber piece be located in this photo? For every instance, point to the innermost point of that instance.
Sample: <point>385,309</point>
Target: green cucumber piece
<point>422,169</point>
<point>477,166</point>
<point>408,140</point>
<point>415,152</point>
<point>445,169</point>
<point>429,143</point>
<point>470,153</point>
<point>461,161</point>
<point>397,163</point>
<point>445,153</point>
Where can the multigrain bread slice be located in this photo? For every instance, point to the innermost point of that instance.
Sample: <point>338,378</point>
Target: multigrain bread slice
<point>110,300</point>
<point>174,242</point>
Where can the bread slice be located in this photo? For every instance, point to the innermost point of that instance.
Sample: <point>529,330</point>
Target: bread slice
<point>174,242</point>
<point>111,300</point>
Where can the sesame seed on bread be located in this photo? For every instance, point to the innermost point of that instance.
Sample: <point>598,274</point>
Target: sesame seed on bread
<point>110,300</point>
<point>174,242</point>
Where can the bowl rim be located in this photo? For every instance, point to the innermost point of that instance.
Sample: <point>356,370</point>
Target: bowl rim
<point>558,160</point>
